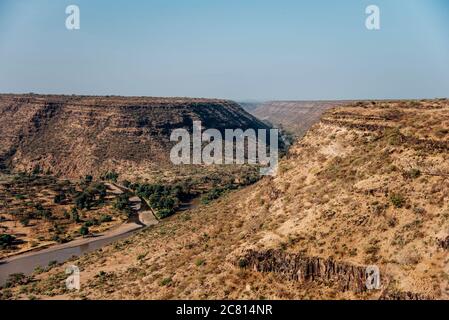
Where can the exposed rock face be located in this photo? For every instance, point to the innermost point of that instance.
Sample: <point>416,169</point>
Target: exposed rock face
<point>340,275</point>
<point>444,243</point>
<point>297,267</point>
<point>77,135</point>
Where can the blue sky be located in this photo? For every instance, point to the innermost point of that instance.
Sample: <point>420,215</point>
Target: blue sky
<point>236,49</point>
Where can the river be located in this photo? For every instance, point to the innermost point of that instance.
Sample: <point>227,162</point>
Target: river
<point>26,263</point>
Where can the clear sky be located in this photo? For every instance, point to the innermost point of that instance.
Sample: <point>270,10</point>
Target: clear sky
<point>236,49</point>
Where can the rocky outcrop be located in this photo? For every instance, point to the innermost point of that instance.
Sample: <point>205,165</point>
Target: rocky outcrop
<point>296,267</point>
<point>340,275</point>
<point>444,243</point>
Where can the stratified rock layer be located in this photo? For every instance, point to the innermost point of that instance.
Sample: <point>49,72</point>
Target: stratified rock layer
<point>77,135</point>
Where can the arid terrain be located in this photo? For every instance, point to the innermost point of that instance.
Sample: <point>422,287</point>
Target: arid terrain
<point>366,185</point>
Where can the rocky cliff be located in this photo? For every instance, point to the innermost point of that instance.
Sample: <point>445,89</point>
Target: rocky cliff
<point>77,135</point>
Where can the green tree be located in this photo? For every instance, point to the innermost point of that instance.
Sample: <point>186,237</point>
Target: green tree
<point>105,218</point>
<point>36,170</point>
<point>24,221</point>
<point>100,190</point>
<point>110,176</point>
<point>164,213</point>
<point>75,215</point>
<point>6,241</point>
<point>121,202</point>
<point>397,200</point>
<point>59,198</point>
<point>83,201</point>
<point>84,231</point>
<point>88,179</point>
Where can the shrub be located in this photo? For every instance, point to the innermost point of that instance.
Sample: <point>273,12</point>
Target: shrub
<point>164,213</point>
<point>392,222</point>
<point>397,200</point>
<point>83,201</point>
<point>6,241</point>
<point>215,193</point>
<point>16,279</point>
<point>88,179</point>
<point>121,202</point>
<point>39,270</point>
<point>141,256</point>
<point>52,263</point>
<point>36,170</point>
<point>394,136</point>
<point>75,215</point>
<point>84,231</point>
<point>243,263</point>
<point>46,214</point>
<point>66,215</point>
<point>88,223</point>
<point>166,281</point>
<point>56,238</point>
<point>200,262</point>
<point>59,198</point>
<point>100,190</point>
<point>412,174</point>
<point>110,176</point>
<point>24,222</point>
<point>105,218</point>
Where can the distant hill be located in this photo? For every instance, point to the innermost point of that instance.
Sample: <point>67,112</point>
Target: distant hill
<point>77,135</point>
<point>295,117</point>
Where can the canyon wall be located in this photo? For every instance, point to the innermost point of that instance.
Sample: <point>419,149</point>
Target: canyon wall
<point>72,136</point>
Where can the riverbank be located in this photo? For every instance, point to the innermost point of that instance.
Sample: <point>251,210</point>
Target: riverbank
<point>26,263</point>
